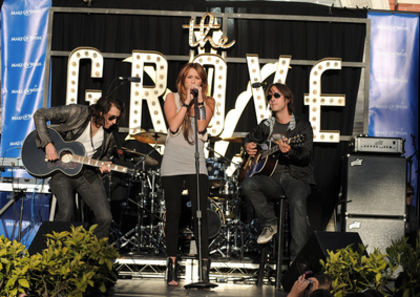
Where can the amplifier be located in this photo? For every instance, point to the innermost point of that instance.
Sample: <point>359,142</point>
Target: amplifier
<point>28,185</point>
<point>8,162</point>
<point>365,144</point>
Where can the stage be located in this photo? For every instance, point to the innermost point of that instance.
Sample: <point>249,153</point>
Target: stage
<point>158,287</point>
<point>143,275</point>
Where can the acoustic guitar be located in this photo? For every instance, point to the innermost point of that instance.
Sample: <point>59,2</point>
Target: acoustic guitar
<point>263,162</point>
<point>71,157</point>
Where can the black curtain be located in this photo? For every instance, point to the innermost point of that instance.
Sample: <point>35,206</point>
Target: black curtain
<point>303,40</point>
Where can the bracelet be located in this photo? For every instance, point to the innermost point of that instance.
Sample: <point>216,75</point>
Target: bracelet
<point>200,104</point>
<point>201,113</point>
<point>185,105</point>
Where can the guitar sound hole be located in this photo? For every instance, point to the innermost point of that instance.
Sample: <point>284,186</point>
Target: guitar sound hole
<point>65,156</point>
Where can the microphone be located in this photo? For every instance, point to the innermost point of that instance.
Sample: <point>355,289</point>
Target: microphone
<point>259,84</point>
<point>131,79</point>
<point>195,92</point>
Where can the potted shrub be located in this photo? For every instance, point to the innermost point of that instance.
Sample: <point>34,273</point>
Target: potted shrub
<point>401,252</point>
<point>15,266</point>
<point>74,264</point>
<point>353,271</point>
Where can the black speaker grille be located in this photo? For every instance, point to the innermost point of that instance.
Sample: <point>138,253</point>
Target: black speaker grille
<point>375,185</point>
<point>376,232</point>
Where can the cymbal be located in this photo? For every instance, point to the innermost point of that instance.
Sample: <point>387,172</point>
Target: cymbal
<point>149,161</point>
<point>234,139</point>
<point>214,138</point>
<point>151,137</point>
<point>220,199</point>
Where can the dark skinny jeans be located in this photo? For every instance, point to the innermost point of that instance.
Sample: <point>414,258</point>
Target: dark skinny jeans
<point>258,189</point>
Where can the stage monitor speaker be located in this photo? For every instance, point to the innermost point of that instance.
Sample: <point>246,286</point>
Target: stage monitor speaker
<point>374,185</point>
<point>40,241</point>
<point>376,232</point>
<point>314,250</point>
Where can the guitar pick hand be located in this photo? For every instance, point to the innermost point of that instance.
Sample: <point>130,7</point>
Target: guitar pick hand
<point>50,152</point>
<point>251,148</point>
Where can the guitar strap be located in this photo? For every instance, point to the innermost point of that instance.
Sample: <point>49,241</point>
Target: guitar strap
<point>120,152</point>
<point>270,122</point>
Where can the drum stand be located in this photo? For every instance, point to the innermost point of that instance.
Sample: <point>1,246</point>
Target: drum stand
<point>230,239</point>
<point>236,237</point>
<point>116,237</point>
<point>142,238</point>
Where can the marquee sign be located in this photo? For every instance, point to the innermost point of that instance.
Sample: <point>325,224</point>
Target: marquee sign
<point>155,65</point>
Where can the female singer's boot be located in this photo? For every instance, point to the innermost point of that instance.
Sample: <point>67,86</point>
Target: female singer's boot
<point>171,271</point>
<point>206,270</point>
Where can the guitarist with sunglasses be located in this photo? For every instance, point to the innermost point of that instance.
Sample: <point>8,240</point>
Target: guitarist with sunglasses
<point>285,169</point>
<point>92,127</point>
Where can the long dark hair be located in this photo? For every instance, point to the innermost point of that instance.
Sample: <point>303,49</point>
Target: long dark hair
<point>103,105</point>
<point>186,124</point>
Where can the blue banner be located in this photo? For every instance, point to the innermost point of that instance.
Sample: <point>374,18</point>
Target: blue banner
<point>24,39</point>
<point>394,77</point>
<point>36,210</point>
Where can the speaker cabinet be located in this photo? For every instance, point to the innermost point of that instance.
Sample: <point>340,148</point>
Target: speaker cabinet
<point>376,232</point>
<point>314,250</point>
<point>40,241</point>
<point>374,185</point>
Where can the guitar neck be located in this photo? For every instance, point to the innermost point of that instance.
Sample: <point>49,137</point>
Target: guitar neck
<point>97,163</point>
<point>270,151</point>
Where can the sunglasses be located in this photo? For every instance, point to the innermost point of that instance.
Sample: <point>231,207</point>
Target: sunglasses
<point>276,95</point>
<point>410,194</point>
<point>111,118</point>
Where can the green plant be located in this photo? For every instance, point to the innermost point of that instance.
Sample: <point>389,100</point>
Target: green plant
<point>15,267</point>
<point>401,252</point>
<point>352,271</point>
<point>74,263</point>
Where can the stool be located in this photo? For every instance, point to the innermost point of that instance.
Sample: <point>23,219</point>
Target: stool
<point>79,207</point>
<point>280,234</point>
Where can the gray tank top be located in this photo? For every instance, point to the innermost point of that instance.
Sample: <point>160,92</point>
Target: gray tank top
<point>178,158</point>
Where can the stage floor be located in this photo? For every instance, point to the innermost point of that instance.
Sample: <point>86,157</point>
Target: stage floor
<point>141,275</point>
<point>157,287</point>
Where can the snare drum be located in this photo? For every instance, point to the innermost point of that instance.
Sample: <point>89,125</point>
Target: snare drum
<point>216,170</point>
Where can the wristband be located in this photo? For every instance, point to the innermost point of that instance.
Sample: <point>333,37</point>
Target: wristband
<point>200,104</point>
<point>185,105</point>
<point>201,113</point>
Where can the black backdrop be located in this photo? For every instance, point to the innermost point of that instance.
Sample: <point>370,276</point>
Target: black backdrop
<point>267,38</point>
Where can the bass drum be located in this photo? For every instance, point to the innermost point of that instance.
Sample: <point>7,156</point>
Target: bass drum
<point>215,216</point>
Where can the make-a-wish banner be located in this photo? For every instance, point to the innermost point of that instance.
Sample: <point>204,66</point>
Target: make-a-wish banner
<point>24,39</point>
<point>394,77</point>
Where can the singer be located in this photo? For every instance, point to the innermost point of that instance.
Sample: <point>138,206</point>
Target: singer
<point>178,163</point>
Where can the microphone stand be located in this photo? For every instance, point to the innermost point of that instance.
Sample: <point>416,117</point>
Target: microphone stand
<point>200,284</point>
<point>116,88</point>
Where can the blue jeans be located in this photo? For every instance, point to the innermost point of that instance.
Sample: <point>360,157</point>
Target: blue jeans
<point>93,194</point>
<point>258,189</point>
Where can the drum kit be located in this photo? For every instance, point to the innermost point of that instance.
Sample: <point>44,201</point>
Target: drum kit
<point>231,232</point>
